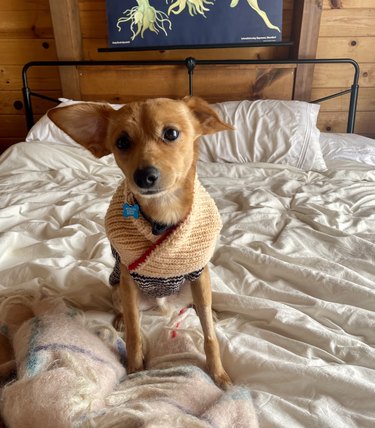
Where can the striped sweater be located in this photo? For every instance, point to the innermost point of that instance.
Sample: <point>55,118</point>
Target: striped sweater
<point>160,264</point>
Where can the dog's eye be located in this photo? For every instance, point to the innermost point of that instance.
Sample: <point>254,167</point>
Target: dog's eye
<point>123,142</point>
<point>170,134</point>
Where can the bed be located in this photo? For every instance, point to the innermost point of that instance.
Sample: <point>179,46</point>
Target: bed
<point>293,274</point>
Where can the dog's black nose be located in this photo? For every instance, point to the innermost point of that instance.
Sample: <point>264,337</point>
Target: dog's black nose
<point>146,178</point>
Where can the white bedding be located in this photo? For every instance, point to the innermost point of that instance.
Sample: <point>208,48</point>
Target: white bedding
<point>293,273</point>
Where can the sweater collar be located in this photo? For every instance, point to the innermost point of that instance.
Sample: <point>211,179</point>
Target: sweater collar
<point>157,228</point>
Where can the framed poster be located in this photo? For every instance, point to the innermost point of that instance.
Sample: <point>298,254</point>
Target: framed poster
<point>167,24</point>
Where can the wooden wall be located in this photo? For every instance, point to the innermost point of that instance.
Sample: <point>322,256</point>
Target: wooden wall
<point>347,30</point>
<point>26,33</point>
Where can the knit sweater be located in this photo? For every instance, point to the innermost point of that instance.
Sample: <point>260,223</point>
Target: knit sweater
<point>160,264</point>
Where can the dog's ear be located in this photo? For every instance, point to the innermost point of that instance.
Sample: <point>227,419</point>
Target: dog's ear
<point>208,118</point>
<point>86,123</point>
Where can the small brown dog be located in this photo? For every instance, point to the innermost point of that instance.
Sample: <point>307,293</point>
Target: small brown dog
<point>155,143</point>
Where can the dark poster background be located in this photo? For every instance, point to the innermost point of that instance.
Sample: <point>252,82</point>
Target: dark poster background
<point>220,25</point>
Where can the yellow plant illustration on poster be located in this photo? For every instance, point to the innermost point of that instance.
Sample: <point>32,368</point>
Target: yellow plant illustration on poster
<point>254,5</point>
<point>144,17</point>
<point>194,7</point>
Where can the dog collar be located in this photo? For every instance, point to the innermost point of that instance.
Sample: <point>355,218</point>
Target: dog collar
<point>133,210</point>
<point>157,228</point>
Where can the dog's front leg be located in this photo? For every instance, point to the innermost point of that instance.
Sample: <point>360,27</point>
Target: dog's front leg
<point>202,297</point>
<point>130,307</point>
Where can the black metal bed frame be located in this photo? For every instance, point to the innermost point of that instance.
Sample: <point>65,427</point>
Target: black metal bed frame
<point>190,64</point>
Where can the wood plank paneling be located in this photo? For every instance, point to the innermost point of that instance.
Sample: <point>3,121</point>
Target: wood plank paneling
<point>91,5</point>
<point>347,30</point>
<point>367,78</point>
<point>26,24</point>
<point>20,51</point>
<point>328,75</point>
<point>21,5</point>
<point>348,4</point>
<point>336,122</point>
<point>11,102</point>
<point>366,99</point>
<point>125,84</point>
<point>359,48</point>
<point>39,79</point>
<point>361,24</point>
<point>335,104</point>
<point>13,125</point>
<point>25,35</point>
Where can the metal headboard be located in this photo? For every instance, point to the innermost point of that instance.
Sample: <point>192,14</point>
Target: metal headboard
<point>190,64</point>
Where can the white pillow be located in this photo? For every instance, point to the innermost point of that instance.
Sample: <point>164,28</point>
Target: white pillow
<point>273,131</point>
<point>270,131</point>
<point>352,147</point>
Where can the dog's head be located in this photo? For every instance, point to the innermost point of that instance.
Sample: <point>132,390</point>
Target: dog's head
<point>154,142</point>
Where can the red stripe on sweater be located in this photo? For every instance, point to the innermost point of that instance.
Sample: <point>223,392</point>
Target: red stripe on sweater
<point>142,259</point>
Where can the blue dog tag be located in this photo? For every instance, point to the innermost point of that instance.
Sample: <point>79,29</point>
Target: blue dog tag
<point>130,210</point>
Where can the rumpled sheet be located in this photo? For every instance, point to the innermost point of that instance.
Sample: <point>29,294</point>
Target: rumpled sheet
<point>293,273</point>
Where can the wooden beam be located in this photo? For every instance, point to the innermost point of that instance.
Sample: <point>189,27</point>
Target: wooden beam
<point>67,31</point>
<point>305,34</point>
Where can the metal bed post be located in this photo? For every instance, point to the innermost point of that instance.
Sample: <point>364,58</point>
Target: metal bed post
<point>352,107</point>
<point>28,106</point>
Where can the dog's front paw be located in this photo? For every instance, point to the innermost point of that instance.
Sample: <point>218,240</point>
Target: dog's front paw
<point>135,364</point>
<point>118,323</point>
<point>222,380</point>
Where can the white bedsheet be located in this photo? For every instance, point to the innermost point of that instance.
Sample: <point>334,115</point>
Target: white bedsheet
<point>293,274</point>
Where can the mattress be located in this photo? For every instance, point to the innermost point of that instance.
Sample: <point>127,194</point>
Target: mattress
<point>293,272</point>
